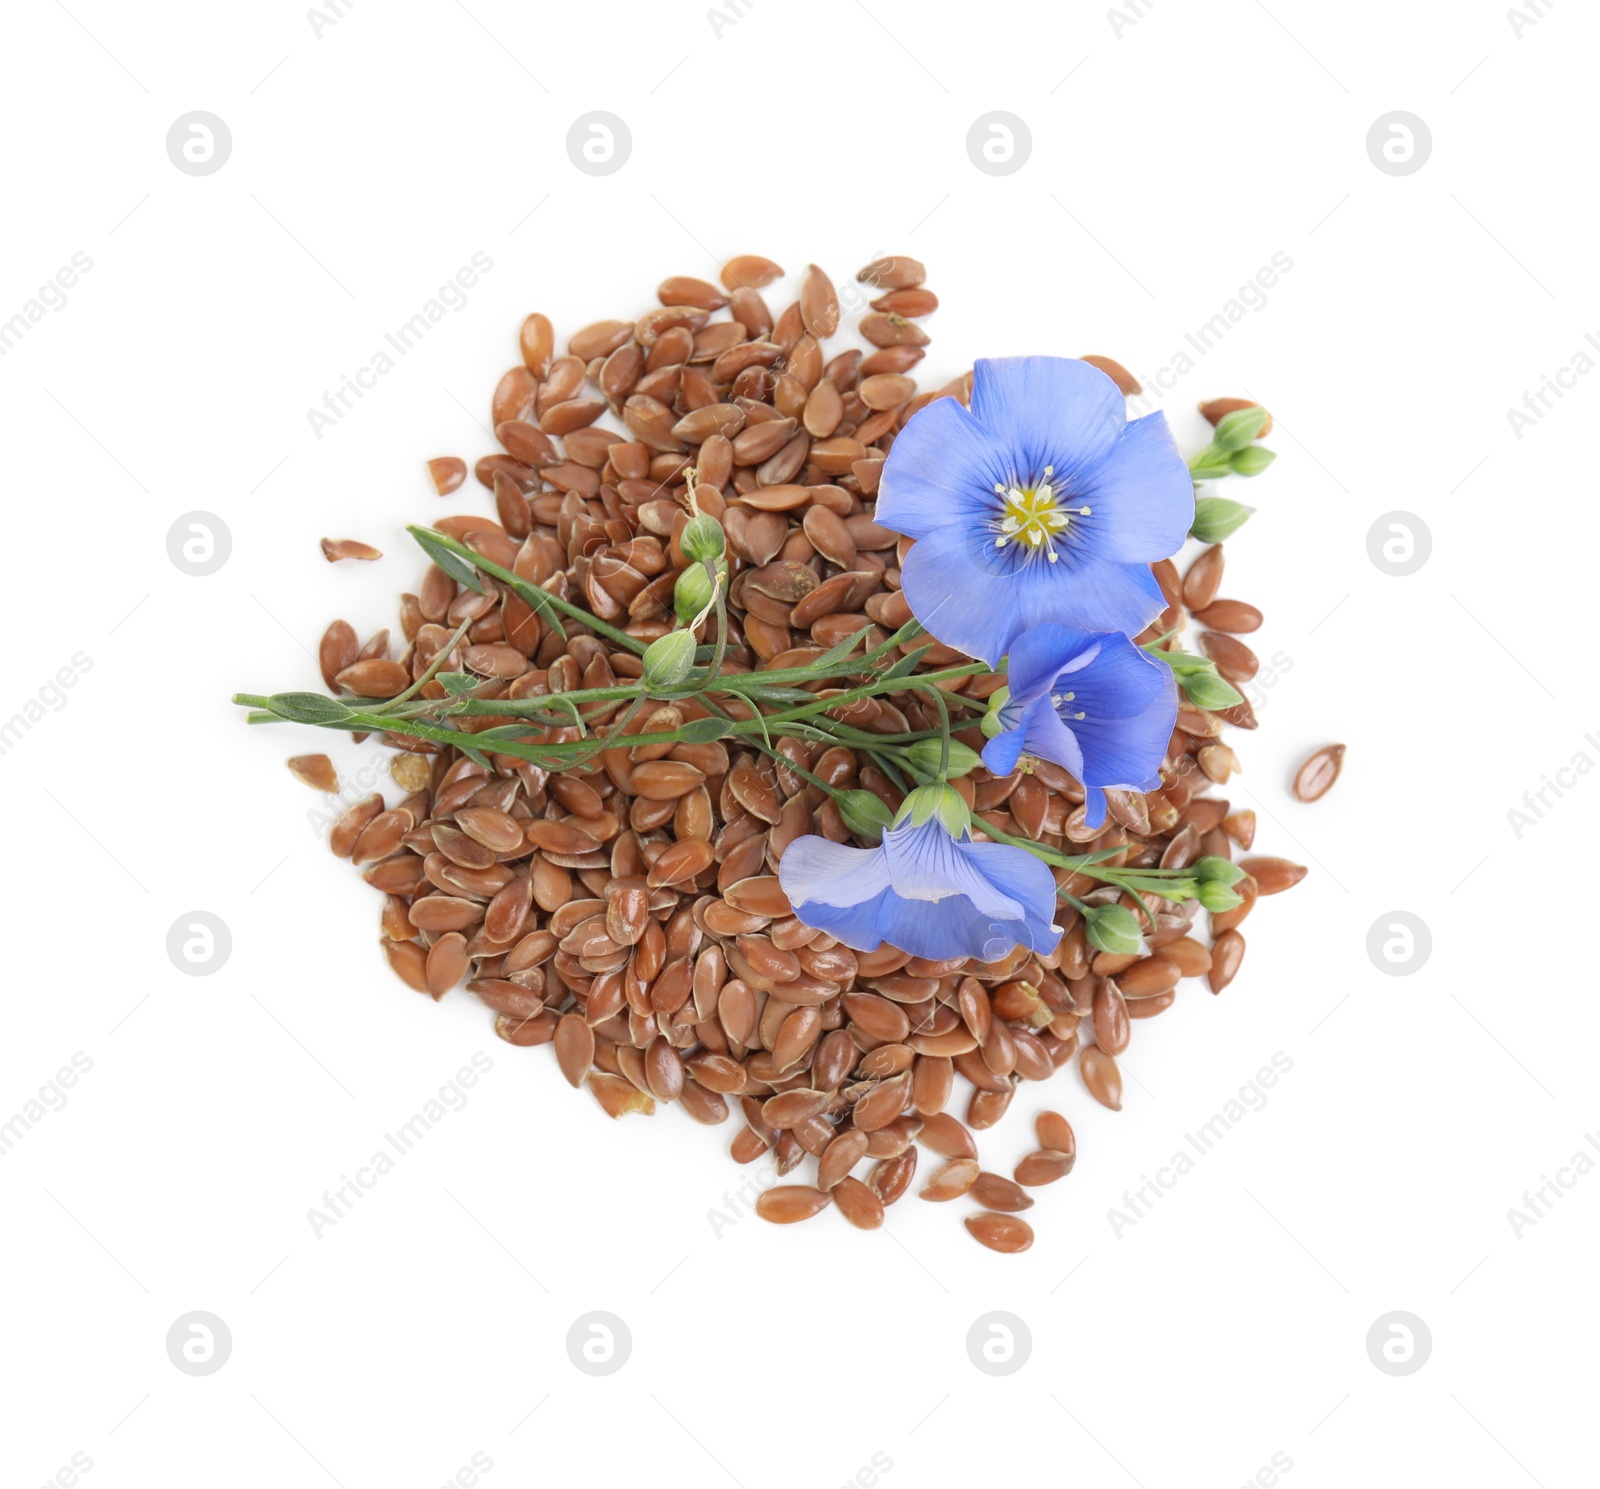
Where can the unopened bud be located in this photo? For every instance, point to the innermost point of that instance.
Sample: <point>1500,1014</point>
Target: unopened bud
<point>702,538</point>
<point>1112,929</point>
<point>668,660</point>
<point>864,814</point>
<point>924,758</point>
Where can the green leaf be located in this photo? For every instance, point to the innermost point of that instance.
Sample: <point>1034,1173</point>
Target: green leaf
<point>840,650</point>
<point>452,563</point>
<point>703,731</point>
<point>308,708</point>
<point>457,683</point>
<point>906,665</point>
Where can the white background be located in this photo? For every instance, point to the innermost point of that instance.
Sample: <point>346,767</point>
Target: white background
<point>1182,152</point>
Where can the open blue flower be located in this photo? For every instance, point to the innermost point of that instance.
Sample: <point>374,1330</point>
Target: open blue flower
<point>1098,706</point>
<point>927,889</point>
<point>1042,503</point>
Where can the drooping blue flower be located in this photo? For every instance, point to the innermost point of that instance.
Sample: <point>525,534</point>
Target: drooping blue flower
<point>1098,706</point>
<point>1043,503</point>
<point>927,889</point>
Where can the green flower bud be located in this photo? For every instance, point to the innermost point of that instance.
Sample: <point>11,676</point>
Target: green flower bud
<point>668,660</point>
<point>942,801</point>
<point>1210,690</point>
<point>1218,517</point>
<point>990,723</point>
<point>1216,897</point>
<point>702,538</point>
<point>1251,460</point>
<point>692,593</point>
<point>1238,429</point>
<point>1211,464</point>
<point>864,814</point>
<point>924,758</point>
<point>1214,870</point>
<point>1113,929</point>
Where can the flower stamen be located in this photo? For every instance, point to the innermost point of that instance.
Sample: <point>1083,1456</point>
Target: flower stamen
<point>1031,515</point>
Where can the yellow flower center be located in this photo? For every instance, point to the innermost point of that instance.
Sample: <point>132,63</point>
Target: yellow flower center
<point>1033,517</point>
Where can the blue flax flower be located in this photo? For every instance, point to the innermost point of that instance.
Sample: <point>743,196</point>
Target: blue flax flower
<point>1096,705</point>
<point>1042,503</point>
<point>927,889</point>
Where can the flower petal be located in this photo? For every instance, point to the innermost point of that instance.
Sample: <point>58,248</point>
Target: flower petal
<point>1130,703</point>
<point>1048,738</point>
<point>857,926</point>
<point>1140,496</point>
<point>957,601</point>
<point>1039,655</point>
<point>926,863</point>
<point>1028,881</point>
<point>817,870</point>
<point>1055,411</point>
<point>1001,754</point>
<point>943,468</point>
<point>954,927</point>
<point>1095,595</point>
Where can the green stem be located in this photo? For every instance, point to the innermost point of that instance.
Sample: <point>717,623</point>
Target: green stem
<point>532,594</point>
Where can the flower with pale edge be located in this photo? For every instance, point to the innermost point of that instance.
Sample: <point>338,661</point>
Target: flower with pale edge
<point>1097,705</point>
<point>927,889</point>
<point>1041,503</point>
